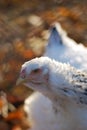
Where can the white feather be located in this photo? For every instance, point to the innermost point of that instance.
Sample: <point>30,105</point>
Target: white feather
<point>60,47</point>
<point>39,109</point>
<point>68,106</point>
<point>64,49</point>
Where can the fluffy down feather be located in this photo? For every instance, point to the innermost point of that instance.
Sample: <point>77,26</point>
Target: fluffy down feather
<point>60,47</point>
<point>64,49</point>
<point>64,86</point>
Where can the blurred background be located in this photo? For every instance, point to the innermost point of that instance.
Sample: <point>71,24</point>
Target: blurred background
<point>24,32</point>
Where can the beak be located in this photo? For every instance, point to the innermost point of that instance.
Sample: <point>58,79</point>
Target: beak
<point>20,81</point>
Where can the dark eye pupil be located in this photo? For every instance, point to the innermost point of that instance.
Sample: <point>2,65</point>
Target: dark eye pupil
<point>36,70</point>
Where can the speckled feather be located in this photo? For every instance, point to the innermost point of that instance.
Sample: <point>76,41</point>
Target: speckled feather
<point>40,109</point>
<point>63,77</point>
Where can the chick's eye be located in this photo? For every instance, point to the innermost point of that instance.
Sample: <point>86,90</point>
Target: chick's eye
<point>36,70</point>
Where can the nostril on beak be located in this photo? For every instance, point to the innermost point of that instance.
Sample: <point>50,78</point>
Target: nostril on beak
<point>23,73</point>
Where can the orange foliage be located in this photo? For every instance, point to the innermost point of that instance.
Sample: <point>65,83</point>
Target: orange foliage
<point>17,127</point>
<point>1,103</point>
<point>18,114</point>
<point>65,12</point>
<point>13,99</point>
<point>10,76</point>
<point>49,16</point>
<point>19,46</point>
<point>2,55</point>
<point>27,54</point>
<point>22,51</point>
